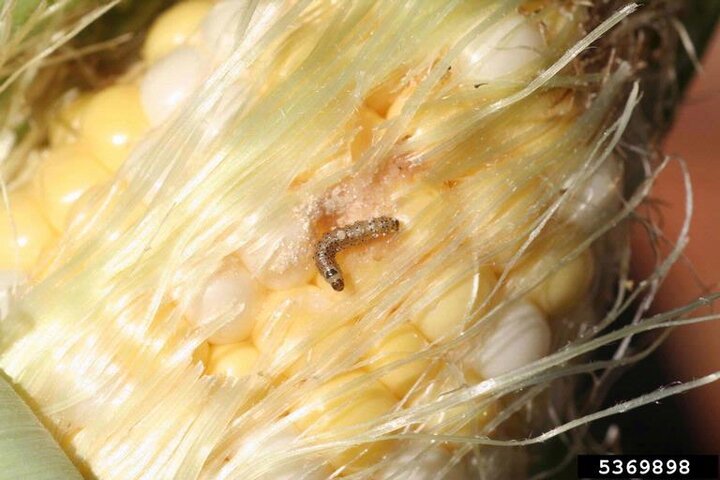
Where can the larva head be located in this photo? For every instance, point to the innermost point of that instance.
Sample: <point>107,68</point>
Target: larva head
<point>334,278</point>
<point>338,285</point>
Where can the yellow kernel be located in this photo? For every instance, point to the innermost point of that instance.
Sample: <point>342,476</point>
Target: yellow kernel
<point>113,122</point>
<point>447,316</point>
<point>65,174</point>
<point>384,95</point>
<point>400,101</point>
<point>320,348</point>
<point>202,353</point>
<point>24,232</point>
<point>465,419</point>
<point>66,126</point>
<point>565,288</point>
<point>366,121</point>
<point>398,345</point>
<point>423,215</point>
<point>504,216</point>
<point>362,270</point>
<point>174,27</point>
<point>289,317</point>
<point>337,406</point>
<point>233,359</point>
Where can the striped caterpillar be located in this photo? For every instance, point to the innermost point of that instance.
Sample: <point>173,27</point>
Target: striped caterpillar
<point>340,238</point>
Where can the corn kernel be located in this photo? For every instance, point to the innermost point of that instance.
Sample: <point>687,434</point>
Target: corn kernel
<point>202,353</point>
<point>566,287</point>
<point>66,173</point>
<point>317,351</point>
<point>271,276</point>
<point>400,344</point>
<point>465,419</point>
<point>114,120</point>
<point>399,102</point>
<point>423,214</point>
<point>361,270</point>
<point>366,121</point>
<point>447,316</point>
<point>174,27</point>
<point>346,409</point>
<point>520,337</point>
<point>505,48</point>
<point>234,359</point>
<point>287,318</point>
<point>66,126</point>
<point>385,94</point>
<point>24,232</point>
<point>596,199</point>
<point>169,82</point>
<point>219,31</point>
<point>231,293</point>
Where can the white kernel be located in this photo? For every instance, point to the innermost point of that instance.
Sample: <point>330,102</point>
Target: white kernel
<point>170,81</point>
<point>232,293</point>
<point>506,47</point>
<point>281,259</point>
<point>520,337</point>
<point>598,197</point>
<point>221,32</point>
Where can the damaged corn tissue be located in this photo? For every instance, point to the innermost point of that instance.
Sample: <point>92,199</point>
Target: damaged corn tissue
<point>162,306</point>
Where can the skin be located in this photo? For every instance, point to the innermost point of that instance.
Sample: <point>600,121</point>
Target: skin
<point>693,351</point>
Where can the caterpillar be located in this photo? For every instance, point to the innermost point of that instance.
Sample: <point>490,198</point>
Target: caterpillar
<point>342,237</point>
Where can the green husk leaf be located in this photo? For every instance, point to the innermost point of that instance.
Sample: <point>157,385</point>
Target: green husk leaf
<point>27,449</point>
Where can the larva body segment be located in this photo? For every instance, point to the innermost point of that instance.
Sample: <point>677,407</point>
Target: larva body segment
<point>342,237</point>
